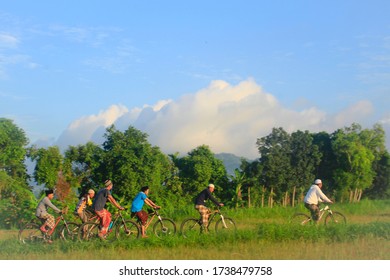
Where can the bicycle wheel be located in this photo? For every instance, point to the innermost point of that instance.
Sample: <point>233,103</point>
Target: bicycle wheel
<point>69,231</point>
<point>301,218</point>
<point>225,225</point>
<point>88,231</point>
<point>128,230</point>
<point>30,234</point>
<point>164,227</point>
<point>190,227</point>
<point>335,218</point>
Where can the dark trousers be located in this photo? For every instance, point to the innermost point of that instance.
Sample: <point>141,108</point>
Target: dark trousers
<point>314,211</point>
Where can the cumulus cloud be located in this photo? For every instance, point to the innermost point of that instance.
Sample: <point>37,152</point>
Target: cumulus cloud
<point>228,118</point>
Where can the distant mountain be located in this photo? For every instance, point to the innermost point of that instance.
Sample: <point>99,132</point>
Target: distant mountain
<point>230,161</point>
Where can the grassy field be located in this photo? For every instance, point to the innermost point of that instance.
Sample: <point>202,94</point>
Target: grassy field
<point>264,233</point>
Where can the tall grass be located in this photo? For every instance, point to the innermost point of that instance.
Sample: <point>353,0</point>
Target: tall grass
<point>263,233</point>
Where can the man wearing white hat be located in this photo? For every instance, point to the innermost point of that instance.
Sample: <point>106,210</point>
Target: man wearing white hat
<point>200,204</point>
<point>313,197</point>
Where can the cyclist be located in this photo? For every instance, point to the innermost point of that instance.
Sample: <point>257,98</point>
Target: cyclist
<point>313,197</point>
<point>136,208</point>
<point>200,204</point>
<point>41,211</point>
<point>84,202</point>
<point>99,202</point>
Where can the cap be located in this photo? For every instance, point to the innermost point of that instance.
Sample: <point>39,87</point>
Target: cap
<point>212,186</point>
<point>91,191</point>
<point>317,181</point>
<point>107,183</point>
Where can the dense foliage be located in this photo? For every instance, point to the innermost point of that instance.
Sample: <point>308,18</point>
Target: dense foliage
<point>351,161</point>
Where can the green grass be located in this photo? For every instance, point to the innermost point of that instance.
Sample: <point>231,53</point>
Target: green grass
<point>264,233</point>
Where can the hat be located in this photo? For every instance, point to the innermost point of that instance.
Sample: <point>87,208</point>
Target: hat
<point>107,183</point>
<point>317,181</point>
<point>91,191</point>
<point>212,186</point>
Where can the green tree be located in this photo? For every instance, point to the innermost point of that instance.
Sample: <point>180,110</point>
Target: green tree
<point>237,182</point>
<point>131,162</point>
<point>304,159</point>
<point>86,165</point>
<point>355,160</point>
<point>12,149</point>
<point>16,198</point>
<point>328,164</point>
<point>380,188</point>
<point>253,182</point>
<point>275,155</point>
<point>199,168</point>
<point>48,166</point>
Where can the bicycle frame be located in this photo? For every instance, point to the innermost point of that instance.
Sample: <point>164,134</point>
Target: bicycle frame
<point>151,218</point>
<point>323,211</point>
<point>162,226</point>
<point>57,221</point>
<point>31,231</point>
<point>114,220</point>
<point>220,223</point>
<point>212,217</point>
<point>119,226</point>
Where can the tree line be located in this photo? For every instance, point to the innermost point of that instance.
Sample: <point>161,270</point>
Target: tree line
<point>353,162</point>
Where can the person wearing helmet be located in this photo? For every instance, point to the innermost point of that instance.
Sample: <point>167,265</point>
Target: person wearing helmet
<point>200,204</point>
<point>84,202</point>
<point>313,197</point>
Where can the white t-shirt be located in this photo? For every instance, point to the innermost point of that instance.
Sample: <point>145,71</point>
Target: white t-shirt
<point>315,195</point>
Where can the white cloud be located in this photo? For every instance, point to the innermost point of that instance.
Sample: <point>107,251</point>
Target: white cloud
<point>228,118</point>
<point>8,41</point>
<point>84,129</point>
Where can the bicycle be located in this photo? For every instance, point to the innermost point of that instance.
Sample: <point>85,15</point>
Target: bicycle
<point>331,217</point>
<point>193,226</point>
<point>123,229</point>
<point>31,233</point>
<point>163,227</point>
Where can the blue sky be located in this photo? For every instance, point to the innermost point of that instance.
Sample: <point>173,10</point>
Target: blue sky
<point>221,73</point>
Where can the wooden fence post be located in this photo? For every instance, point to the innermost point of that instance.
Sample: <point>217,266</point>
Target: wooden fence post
<point>293,196</point>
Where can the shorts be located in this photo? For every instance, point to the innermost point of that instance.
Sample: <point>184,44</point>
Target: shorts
<point>142,216</point>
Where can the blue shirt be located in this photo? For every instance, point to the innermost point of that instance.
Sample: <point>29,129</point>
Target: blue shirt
<point>138,202</point>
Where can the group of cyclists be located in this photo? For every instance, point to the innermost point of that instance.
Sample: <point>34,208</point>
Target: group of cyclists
<point>97,202</point>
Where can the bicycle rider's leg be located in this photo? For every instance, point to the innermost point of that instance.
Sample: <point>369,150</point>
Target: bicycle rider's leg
<point>204,213</point>
<point>44,224</point>
<point>142,217</point>
<point>314,211</point>
<point>84,218</point>
<point>105,219</point>
<point>49,222</point>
